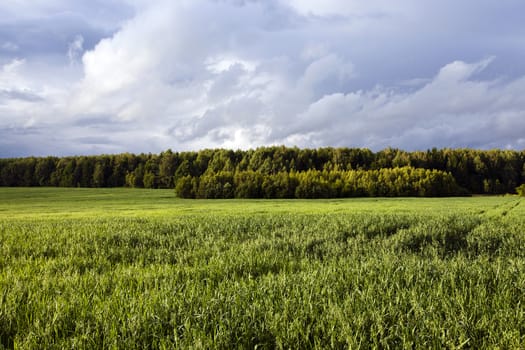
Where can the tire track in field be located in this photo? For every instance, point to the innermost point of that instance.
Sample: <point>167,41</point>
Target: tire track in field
<point>502,209</point>
<point>508,207</point>
<point>511,207</point>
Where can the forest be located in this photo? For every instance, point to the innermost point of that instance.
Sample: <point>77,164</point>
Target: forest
<point>282,172</point>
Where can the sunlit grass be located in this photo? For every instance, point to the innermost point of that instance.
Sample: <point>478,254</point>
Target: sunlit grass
<point>134,269</point>
<point>84,202</point>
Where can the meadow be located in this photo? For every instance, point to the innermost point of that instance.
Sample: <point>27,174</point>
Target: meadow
<point>139,269</point>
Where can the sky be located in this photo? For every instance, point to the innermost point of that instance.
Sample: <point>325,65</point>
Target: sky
<point>112,76</point>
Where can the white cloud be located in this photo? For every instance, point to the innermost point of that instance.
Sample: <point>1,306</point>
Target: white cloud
<point>202,73</point>
<point>75,49</point>
<point>452,110</point>
<point>345,7</point>
<point>9,70</point>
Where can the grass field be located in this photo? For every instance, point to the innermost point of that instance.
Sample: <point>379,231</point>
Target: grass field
<point>136,269</point>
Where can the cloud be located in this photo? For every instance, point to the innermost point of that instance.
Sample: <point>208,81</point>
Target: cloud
<point>23,95</point>
<point>204,73</point>
<point>330,8</point>
<point>75,49</point>
<point>12,88</point>
<point>452,110</point>
<point>9,46</point>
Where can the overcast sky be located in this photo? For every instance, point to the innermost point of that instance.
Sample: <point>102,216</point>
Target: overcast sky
<point>111,76</point>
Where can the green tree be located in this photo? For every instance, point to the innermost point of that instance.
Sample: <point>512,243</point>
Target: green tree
<point>248,184</point>
<point>167,166</point>
<point>150,180</point>
<point>184,169</point>
<point>99,176</point>
<point>185,187</point>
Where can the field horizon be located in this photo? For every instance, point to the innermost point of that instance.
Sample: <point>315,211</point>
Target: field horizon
<point>122,201</point>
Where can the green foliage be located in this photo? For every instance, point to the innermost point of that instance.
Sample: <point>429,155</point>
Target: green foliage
<point>248,184</point>
<point>310,184</point>
<point>280,185</point>
<point>474,171</point>
<point>149,180</point>
<point>99,176</point>
<point>521,190</point>
<point>216,186</point>
<point>130,269</point>
<point>443,235</point>
<point>186,187</point>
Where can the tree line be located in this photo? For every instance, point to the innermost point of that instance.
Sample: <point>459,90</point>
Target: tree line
<point>387,182</point>
<point>282,172</point>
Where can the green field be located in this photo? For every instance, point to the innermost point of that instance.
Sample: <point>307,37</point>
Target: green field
<point>136,269</point>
